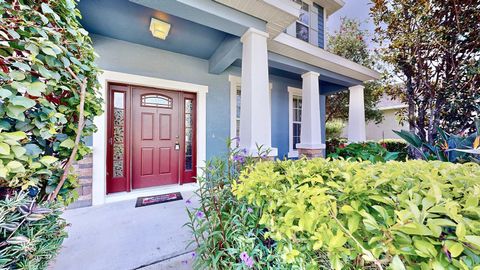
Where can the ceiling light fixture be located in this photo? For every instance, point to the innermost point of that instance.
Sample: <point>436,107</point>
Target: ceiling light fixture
<point>159,28</point>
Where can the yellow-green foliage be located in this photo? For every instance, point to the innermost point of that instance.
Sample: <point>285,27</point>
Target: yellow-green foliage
<point>394,215</point>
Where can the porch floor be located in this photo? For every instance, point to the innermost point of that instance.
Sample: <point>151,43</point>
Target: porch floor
<point>120,236</point>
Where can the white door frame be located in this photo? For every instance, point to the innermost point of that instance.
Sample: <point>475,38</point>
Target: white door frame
<point>99,177</point>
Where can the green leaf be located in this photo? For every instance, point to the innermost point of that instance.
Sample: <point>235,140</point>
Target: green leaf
<point>424,248</point>
<point>48,51</point>
<point>17,75</point>
<point>36,89</point>
<point>4,149</point>
<point>15,136</point>
<point>474,240</point>
<point>22,101</point>
<point>461,231</point>
<point>397,264</point>
<point>5,93</point>
<point>47,160</point>
<point>33,150</point>
<point>455,248</point>
<point>68,143</point>
<point>16,112</point>
<point>19,151</point>
<point>15,167</point>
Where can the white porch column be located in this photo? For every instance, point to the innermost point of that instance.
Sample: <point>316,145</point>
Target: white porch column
<point>356,115</point>
<point>310,136</point>
<point>255,118</point>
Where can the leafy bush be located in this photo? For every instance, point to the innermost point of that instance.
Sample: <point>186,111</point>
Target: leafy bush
<point>227,233</point>
<point>334,128</point>
<point>371,151</point>
<point>333,144</point>
<point>30,233</point>
<point>48,99</point>
<point>401,215</point>
<point>447,147</point>
<point>396,145</point>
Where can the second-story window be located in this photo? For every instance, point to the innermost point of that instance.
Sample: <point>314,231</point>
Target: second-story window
<point>303,22</point>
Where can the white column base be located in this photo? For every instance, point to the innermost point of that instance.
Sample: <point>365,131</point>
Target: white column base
<point>311,146</point>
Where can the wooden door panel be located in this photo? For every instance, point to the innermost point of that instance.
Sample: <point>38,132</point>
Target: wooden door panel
<point>155,159</point>
<point>165,127</point>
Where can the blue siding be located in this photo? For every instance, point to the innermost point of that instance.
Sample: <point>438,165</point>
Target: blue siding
<point>121,56</point>
<point>321,28</point>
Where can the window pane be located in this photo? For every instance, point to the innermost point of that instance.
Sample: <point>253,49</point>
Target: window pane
<point>304,14</point>
<point>118,134</point>
<point>156,101</point>
<point>302,32</point>
<point>188,134</point>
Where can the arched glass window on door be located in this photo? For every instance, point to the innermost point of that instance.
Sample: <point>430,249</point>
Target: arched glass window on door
<point>155,100</point>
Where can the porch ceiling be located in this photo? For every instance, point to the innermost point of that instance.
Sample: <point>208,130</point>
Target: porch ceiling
<point>125,20</point>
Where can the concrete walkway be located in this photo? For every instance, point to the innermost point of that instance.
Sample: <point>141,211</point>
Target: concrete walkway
<point>121,237</point>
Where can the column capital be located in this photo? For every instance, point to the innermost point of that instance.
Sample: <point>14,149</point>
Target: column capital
<point>253,31</point>
<point>356,87</point>
<point>310,74</point>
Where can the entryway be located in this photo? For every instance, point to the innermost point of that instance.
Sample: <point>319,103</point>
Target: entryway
<point>151,137</point>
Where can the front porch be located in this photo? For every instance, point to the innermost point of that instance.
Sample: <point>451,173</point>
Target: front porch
<point>120,236</point>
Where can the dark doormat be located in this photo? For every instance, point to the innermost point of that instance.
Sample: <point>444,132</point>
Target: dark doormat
<point>163,198</point>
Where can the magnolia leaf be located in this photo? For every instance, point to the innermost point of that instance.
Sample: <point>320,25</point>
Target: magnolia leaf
<point>47,160</point>
<point>16,112</point>
<point>68,143</point>
<point>424,248</point>
<point>22,101</point>
<point>460,231</point>
<point>4,149</point>
<point>455,248</point>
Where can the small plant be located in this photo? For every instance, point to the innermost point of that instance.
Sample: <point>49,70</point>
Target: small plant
<point>447,147</point>
<point>334,129</point>
<point>396,145</point>
<point>227,233</point>
<point>371,151</point>
<point>30,232</point>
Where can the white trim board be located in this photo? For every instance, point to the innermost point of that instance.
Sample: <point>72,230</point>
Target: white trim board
<point>99,181</point>
<point>292,91</point>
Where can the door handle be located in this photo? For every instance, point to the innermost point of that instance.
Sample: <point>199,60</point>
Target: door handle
<point>177,146</point>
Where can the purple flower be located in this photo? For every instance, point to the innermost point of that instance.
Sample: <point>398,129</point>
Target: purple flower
<point>249,262</point>
<point>239,158</point>
<point>194,254</point>
<point>249,210</point>
<point>188,201</point>
<point>200,214</point>
<point>244,256</point>
<point>244,151</point>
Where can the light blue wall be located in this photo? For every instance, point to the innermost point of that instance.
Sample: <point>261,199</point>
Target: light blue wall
<point>121,56</point>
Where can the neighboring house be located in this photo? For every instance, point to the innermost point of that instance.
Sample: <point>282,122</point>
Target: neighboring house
<point>182,76</point>
<point>384,130</point>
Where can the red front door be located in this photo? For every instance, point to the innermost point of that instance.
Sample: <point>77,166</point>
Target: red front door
<point>151,135</point>
<point>156,137</point>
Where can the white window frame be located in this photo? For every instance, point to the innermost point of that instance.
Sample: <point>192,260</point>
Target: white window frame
<point>292,91</point>
<point>236,81</point>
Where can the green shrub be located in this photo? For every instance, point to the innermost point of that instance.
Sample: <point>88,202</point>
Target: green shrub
<point>47,78</point>
<point>30,232</point>
<point>371,151</point>
<point>227,233</point>
<point>402,215</point>
<point>334,129</point>
<point>396,145</point>
<point>333,144</point>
